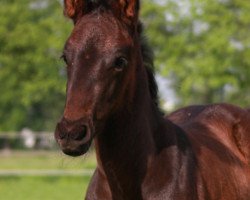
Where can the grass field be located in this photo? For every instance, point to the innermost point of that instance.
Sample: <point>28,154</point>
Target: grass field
<point>44,187</point>
<point>45,160</point>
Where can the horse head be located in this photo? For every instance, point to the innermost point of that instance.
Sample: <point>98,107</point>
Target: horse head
<point>101,56</point>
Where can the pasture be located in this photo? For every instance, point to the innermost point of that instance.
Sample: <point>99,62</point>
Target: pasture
<point>44,175</point>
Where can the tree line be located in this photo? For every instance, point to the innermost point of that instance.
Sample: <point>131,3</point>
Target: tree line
<point>202,46</point>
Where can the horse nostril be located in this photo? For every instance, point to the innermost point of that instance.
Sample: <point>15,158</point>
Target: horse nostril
<point>80,135</point>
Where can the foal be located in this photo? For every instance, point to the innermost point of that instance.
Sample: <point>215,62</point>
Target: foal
<point>199,152</point>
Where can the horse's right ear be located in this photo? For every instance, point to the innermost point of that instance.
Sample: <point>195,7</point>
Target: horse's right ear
<point>74,9</point>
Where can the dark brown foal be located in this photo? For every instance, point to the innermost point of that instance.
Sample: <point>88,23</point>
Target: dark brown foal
<point>196,153</point>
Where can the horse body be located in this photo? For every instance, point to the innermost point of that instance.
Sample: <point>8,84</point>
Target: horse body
<point>202,160</point>
<point>195,153</point>
<point>220,140</point>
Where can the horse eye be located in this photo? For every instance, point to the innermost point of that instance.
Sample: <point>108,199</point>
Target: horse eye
<point>120,63</point>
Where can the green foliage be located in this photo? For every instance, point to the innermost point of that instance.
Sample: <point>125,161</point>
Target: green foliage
<point>203,46</point>
<point>32,82</point>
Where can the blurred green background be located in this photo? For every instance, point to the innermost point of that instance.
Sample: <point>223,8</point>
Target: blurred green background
<point>202,55</point>
<point>202,47</point>
<point>44,175</point>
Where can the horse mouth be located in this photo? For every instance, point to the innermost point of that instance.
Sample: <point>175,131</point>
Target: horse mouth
<point>75,151</point>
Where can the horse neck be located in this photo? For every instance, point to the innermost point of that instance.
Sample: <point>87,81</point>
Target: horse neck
<point>128,140</point>
<point>128,131</point>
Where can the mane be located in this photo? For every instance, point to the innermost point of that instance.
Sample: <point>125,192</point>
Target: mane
<point>148,62</point>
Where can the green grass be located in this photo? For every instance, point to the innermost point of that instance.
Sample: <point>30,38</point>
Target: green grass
<point>45,160</point>
<point>43,188</point>
<point>37,187</point>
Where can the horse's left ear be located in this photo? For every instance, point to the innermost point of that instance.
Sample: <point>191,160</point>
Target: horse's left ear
<point>128,10</point>
<point>131,8</point>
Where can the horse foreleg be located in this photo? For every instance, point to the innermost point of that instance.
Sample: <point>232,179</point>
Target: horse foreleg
<point>98,188</point>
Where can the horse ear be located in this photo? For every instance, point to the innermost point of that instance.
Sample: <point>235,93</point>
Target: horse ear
<point>74,9</point>
<point>127,9</point>
<point>130,8</point>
